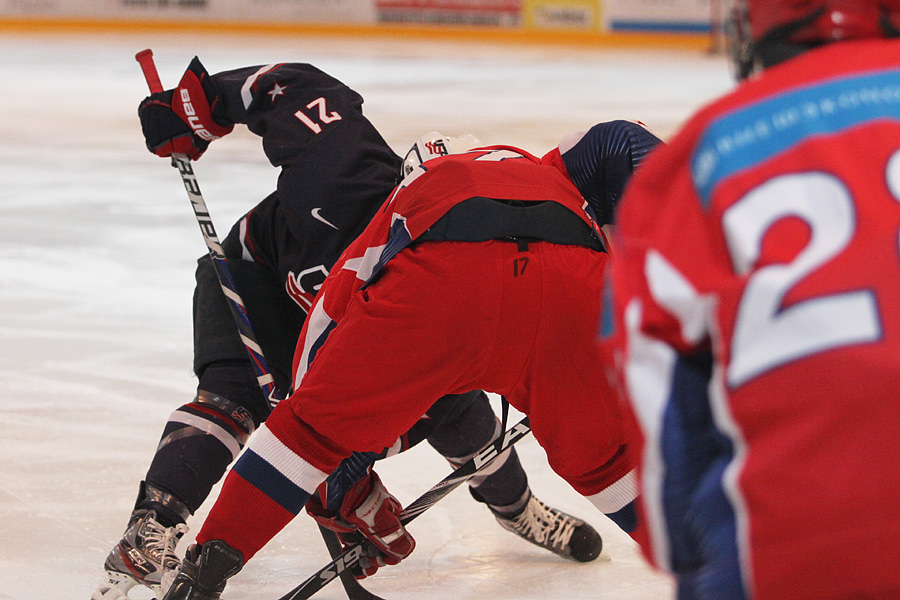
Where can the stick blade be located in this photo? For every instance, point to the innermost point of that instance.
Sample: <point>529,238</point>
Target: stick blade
<point>355,590</point>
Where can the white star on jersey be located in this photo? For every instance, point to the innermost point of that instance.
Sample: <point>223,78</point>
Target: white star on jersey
<point>276,91</point>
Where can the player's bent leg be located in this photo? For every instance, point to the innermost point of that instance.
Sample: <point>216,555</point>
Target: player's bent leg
<point>573,412</point>
<point>198,443</point>
<point>203,437</point>
<point>463,425</point>
<point>463,429</point>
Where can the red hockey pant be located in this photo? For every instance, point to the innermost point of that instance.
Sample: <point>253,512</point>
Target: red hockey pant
<point>450,317</point>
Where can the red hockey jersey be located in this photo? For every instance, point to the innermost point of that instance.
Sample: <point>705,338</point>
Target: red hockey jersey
<point>757,296</point>
<point>407,214</point>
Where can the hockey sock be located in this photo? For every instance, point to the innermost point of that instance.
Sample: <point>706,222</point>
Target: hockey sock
<point>466,423</point>
<point>198,443</point>
<point>268,485</point>
<point>617,501</point>
<point>504,488</point>
<point>170,511</point>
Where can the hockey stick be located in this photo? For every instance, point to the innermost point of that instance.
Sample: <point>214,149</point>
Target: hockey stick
<point>264,377</point>
<point>352,554</point>
<point>183,163</point>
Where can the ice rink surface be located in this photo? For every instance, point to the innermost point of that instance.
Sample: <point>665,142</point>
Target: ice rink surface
<point>97,256</point>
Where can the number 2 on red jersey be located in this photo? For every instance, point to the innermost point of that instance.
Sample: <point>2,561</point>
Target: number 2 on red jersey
<point>767,334</point>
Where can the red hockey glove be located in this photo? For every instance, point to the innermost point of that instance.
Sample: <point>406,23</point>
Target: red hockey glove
<point>367,509</point>
<point>181,120</point>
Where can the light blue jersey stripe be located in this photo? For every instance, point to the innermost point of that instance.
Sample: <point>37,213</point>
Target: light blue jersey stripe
<point>755,133</point>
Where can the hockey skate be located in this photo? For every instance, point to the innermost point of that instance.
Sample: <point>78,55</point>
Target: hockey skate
<point>555,531</point>
<point>144,556</point>
<point>204,571</point>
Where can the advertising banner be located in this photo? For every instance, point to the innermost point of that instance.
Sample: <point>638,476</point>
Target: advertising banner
<point>581,15</point>
<point>497,13</point>
<point>677,16</point>
<point>575,17</point>
<point>247,11</point>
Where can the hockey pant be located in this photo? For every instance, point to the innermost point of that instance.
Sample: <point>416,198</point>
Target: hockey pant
<point>442,318</point>
<point>519,320</point>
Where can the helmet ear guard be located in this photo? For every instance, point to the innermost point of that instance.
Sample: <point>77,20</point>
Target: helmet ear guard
<point>434,145</point>
<point>762,33</point>
<point>749,53</point>
<point>739,41</point>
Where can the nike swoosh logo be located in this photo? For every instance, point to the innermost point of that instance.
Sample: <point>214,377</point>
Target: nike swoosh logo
<point>318,217</point>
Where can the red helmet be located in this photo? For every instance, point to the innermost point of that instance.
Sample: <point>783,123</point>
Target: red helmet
<point>796,25</point>
<point>823,20</point>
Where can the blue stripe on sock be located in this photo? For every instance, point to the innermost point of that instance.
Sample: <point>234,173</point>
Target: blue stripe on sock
<point>625,517</point>
<point>270,481</point>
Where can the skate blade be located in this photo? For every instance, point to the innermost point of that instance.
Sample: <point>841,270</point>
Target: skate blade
<point>115,587</point>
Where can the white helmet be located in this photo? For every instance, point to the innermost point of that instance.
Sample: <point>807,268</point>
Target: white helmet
<point>434,144</point>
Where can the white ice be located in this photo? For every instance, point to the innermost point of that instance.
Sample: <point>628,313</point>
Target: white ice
<point>97,247</point>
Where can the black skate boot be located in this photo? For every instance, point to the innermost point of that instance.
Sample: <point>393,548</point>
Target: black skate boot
<point>554,530</point>
<point>204,571</point>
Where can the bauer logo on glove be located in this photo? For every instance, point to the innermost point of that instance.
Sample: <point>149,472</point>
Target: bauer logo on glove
<point>190,115</point>
<point>184,120</point>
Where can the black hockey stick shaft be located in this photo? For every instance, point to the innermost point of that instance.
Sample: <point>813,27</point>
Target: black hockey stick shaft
<point>352,554</point>
<point>264,377</point>
<point>355,590</point>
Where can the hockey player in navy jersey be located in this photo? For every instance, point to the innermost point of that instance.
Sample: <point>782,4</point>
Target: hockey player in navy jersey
<point>758,329</point>
<point>482,270</point>
<point>336,170</point>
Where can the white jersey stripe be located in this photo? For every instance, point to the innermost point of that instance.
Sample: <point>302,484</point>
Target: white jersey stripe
<point>246,96</point>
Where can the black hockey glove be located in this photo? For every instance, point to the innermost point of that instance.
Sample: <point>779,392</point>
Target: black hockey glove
<point>184,120</point>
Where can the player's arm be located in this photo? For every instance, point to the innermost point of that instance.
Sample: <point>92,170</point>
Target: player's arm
<point>600,162</point>
<point>336,167</point>
<point>292,106</point>
<point>656,331</point>
<point>333,160</point>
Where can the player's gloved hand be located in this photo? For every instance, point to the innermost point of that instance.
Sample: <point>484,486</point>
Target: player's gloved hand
<point>181,120</point>
<point>370,511</point>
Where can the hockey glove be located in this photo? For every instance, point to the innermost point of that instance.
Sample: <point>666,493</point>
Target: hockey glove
<point>368,511</point>
<point>181,120</point>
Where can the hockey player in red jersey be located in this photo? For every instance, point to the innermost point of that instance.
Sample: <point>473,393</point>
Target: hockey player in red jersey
<point>483,270</point>
<point>336,170</point>
<point>755,316</point>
